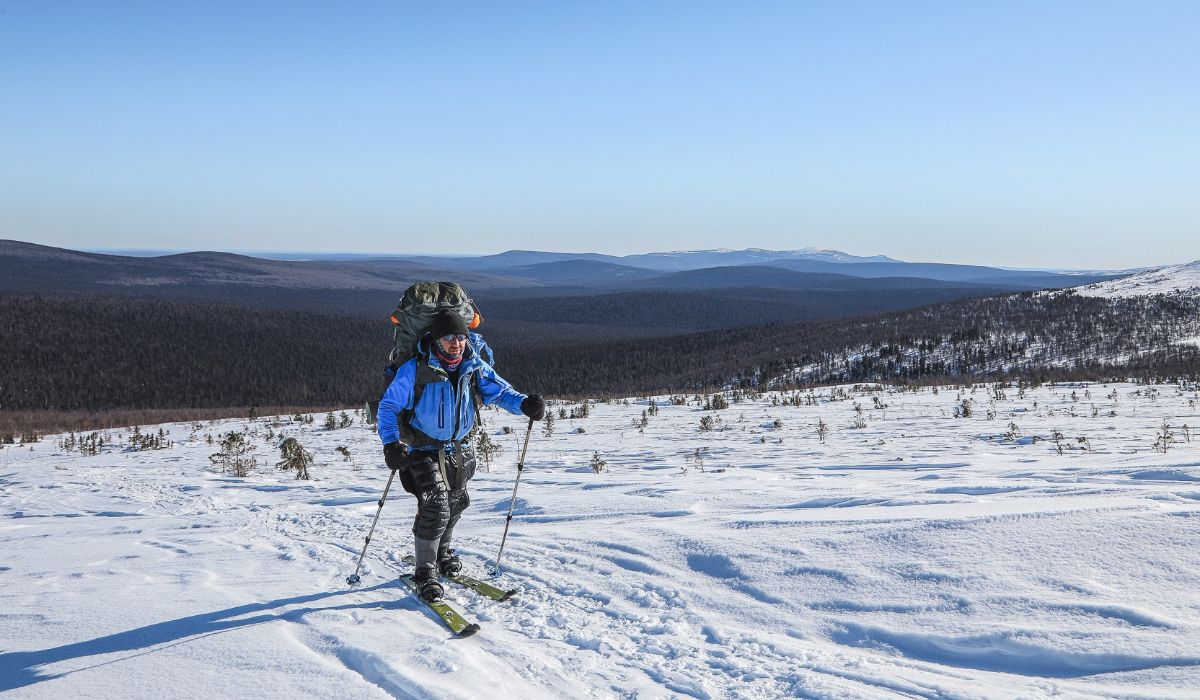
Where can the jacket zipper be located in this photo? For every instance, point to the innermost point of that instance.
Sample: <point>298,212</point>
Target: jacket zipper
<point>457,409</point>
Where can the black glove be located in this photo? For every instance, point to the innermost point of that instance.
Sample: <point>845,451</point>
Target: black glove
<point>534,406</point>
<point>395,454</point>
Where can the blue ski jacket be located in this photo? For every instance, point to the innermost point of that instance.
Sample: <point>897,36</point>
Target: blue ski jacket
<point>444,411</point>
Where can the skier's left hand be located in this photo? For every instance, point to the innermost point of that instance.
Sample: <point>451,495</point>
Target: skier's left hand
<point>534,406</point>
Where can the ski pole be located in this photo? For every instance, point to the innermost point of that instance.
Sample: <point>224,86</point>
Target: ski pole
<point>513,502</point>
<point>353,578</point>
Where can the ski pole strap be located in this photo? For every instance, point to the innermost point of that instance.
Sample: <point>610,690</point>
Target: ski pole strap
<point>442,466</point>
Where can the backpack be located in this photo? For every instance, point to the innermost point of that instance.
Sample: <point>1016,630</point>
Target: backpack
<point>411,321</point>
<point>414,314</point>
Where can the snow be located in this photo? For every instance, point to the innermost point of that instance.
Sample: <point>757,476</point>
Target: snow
<point>1165,280</point>
<point>921,555</point>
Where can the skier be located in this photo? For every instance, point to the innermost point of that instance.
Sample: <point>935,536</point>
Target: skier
<point>425,420</point>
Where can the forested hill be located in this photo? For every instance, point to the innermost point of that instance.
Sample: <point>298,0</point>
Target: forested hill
<point>1030,335</point>
<point>66,353</point>
<point>96,354</point>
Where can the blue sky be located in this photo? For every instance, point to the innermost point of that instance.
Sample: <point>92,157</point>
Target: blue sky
<point>1013,133</point>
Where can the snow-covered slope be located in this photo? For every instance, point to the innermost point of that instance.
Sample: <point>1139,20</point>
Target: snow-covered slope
<point>1037,547</point>
<point>1165,280</point>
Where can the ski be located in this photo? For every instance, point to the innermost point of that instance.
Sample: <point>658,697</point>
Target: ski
<point>482,588</point>
<point>458,624</point>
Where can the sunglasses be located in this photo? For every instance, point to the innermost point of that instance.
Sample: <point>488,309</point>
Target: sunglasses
<point>452,337</point>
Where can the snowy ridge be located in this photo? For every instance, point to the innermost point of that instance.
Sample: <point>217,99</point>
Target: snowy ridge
<point>1174,279</point>
<point>1029,353</point>
<point>1039,546</point>
<point>809,253</point>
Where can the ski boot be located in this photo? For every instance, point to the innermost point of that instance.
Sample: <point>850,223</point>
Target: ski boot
<point>428,585</point>
<point>448,562</point>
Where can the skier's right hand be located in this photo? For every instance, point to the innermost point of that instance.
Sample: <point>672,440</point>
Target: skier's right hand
<point>395,454</point>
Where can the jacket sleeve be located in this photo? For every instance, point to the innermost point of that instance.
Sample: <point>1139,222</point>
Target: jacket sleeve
<point>397,398</point>
<point>494,390</point>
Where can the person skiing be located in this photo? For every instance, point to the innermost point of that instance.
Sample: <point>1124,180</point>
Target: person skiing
<point>425,420</point>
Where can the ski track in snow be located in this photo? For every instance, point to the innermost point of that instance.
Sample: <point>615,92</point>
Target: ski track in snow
<point>921,556</point>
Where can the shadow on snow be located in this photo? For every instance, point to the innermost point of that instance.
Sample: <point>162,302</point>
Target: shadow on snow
<point>21,668</point>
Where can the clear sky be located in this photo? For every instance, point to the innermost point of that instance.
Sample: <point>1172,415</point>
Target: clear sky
<point>1007,133</point>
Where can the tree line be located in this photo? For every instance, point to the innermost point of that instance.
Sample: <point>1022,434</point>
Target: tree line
<point>90,353</point>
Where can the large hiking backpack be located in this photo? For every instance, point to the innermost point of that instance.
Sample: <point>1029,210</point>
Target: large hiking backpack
<point>413,317</point>
<point>414,314</point>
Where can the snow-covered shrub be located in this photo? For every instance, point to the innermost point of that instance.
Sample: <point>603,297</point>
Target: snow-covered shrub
<point>860,420</point>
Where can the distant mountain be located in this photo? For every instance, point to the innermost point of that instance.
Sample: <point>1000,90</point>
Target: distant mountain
<point>665,262</point>
<point>769,276</point>
<point>1181,279</point>
<point>723,257</point>
<point>32,268</point>
<point>578,272</point>
<point>511,258</point>
<point>522,263</point>
<point>979,274</point>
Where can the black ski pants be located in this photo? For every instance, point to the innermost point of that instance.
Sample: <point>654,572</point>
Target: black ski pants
<point>441,499</point>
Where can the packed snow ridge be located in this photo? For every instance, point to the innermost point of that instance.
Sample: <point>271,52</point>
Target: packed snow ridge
<point>1174,279</point>
<point>850,542</point>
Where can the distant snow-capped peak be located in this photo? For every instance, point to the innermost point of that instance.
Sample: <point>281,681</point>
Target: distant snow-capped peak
<point>1163,280</point>
<point>825,254</point>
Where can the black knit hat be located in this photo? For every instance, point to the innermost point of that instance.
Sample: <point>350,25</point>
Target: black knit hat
<point>447,322</point>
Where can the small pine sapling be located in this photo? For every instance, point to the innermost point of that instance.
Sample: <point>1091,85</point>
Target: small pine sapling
<point>234,457</point>
<point>486,448</point>
<point>1058,441</point>
<point>598,465</point>
<point>1164,439</point>
<point>295,457</point>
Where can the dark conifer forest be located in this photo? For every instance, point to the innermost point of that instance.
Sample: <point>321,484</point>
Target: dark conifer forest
<point>96,354</point>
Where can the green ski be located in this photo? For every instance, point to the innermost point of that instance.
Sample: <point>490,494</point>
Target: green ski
<point>458,624</point>
<point>482,588</point>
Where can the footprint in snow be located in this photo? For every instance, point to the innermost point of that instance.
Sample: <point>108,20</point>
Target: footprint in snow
<point>715,565</point>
